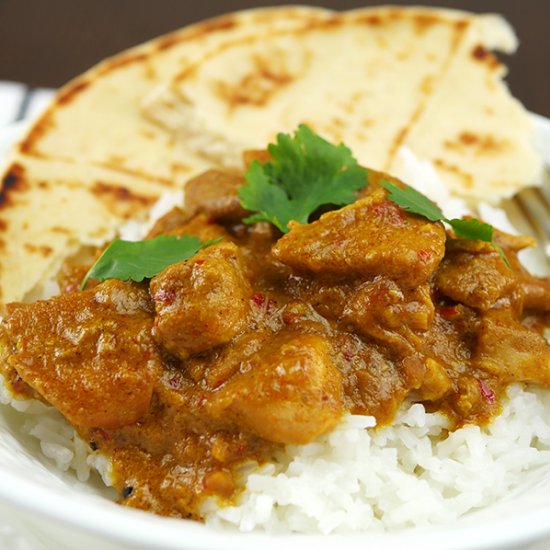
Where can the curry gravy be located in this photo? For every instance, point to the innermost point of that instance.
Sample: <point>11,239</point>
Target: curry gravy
<point>261,340</point>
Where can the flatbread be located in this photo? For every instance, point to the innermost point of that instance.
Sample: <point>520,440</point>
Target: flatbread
<point>97,118</point>
<point>483,150</point>
<point>147,120</point>
<point>337,75</point>
<point>376,79</point>
<point>92,160</point>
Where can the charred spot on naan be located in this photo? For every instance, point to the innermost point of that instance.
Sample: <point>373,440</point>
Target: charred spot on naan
<point>40,128</point>
<point>43,250</point>
<point>12,182</point>
<point>466,178</point>
<point>480,53</point>
<point>120,200</point>
<point>267,77</point>
<point>478,143</point>
<point>68,94</point>
<point>223,23</point>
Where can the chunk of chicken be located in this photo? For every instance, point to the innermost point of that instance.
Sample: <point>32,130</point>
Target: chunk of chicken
<point>382,310</point>
<point>289,391</point>
<point>198,226</point>
<point>436,383</point>
<point>202,302</point>
<point>372,236</point>
<point>511,351</point>
<point>214,193</point>
<point>90,354</point>
<point>473,273</point>
<point>536,292</point>
<point>171,221</point>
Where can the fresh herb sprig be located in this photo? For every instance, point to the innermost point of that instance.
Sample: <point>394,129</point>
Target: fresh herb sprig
<point>140,260</point>
<point>306,172</point>
<point>415,202</point>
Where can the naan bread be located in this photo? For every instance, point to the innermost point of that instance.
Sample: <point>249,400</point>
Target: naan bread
<point>97,117</point>
<point>92,160</point>
<point>50,208</point>
<point>147,120</point>
<point>478,136</point>
<point>376,79</point>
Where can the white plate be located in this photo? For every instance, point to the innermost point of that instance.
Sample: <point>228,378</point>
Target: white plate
<point>41,508</point>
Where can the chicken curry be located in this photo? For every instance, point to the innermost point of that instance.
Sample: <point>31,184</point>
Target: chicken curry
<point>263,339</point>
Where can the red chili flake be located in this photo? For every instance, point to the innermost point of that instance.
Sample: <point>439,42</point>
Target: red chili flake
<point>289,318</point>
<point>487,393</point>
<point>165,297</point>
<point>390,213</point>
<point>449,312</point>
<point>199,262</point>
<point>174,382</point>
<point>424,255</point>
<point>258,299</point>
<point>241,448</point>
<point>201,401</point>
<point>348,356</point>
<point>217,383</point>
<point>262,301</point>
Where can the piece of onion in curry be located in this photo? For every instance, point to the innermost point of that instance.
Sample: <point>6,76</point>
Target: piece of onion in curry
<point>262,340</point>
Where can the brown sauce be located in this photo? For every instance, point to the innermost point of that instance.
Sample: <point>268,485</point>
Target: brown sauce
<point>259,341</point>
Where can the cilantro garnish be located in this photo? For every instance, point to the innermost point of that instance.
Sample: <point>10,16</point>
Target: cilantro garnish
<point>139,260</point>
<point>415,202</point>
<point>306,172</point>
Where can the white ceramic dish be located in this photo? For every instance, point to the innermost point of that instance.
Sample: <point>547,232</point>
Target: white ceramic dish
<point>44,509</point>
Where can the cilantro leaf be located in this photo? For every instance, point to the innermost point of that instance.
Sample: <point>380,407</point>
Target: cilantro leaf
<point>139,260</point>
<point>472,229</point>
<point>269,201</point>
<point>415,202</point>
<point>306,172</point>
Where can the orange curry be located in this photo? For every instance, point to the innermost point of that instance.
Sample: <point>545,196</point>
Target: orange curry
<point>262,339</point>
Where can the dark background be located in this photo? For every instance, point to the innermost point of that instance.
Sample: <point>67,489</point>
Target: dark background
<point>47,42</point>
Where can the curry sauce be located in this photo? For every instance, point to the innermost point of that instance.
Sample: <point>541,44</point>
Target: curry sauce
<point>262,340</point>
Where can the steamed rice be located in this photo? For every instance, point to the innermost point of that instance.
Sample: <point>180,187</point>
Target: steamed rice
<point>58,440</point>
<point>356,478</point>
<point>411,474</point>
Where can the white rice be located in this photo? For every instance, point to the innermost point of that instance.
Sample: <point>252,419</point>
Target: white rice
<point>58,440</point>
<point>356,478</point>
<point>411,474</point>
